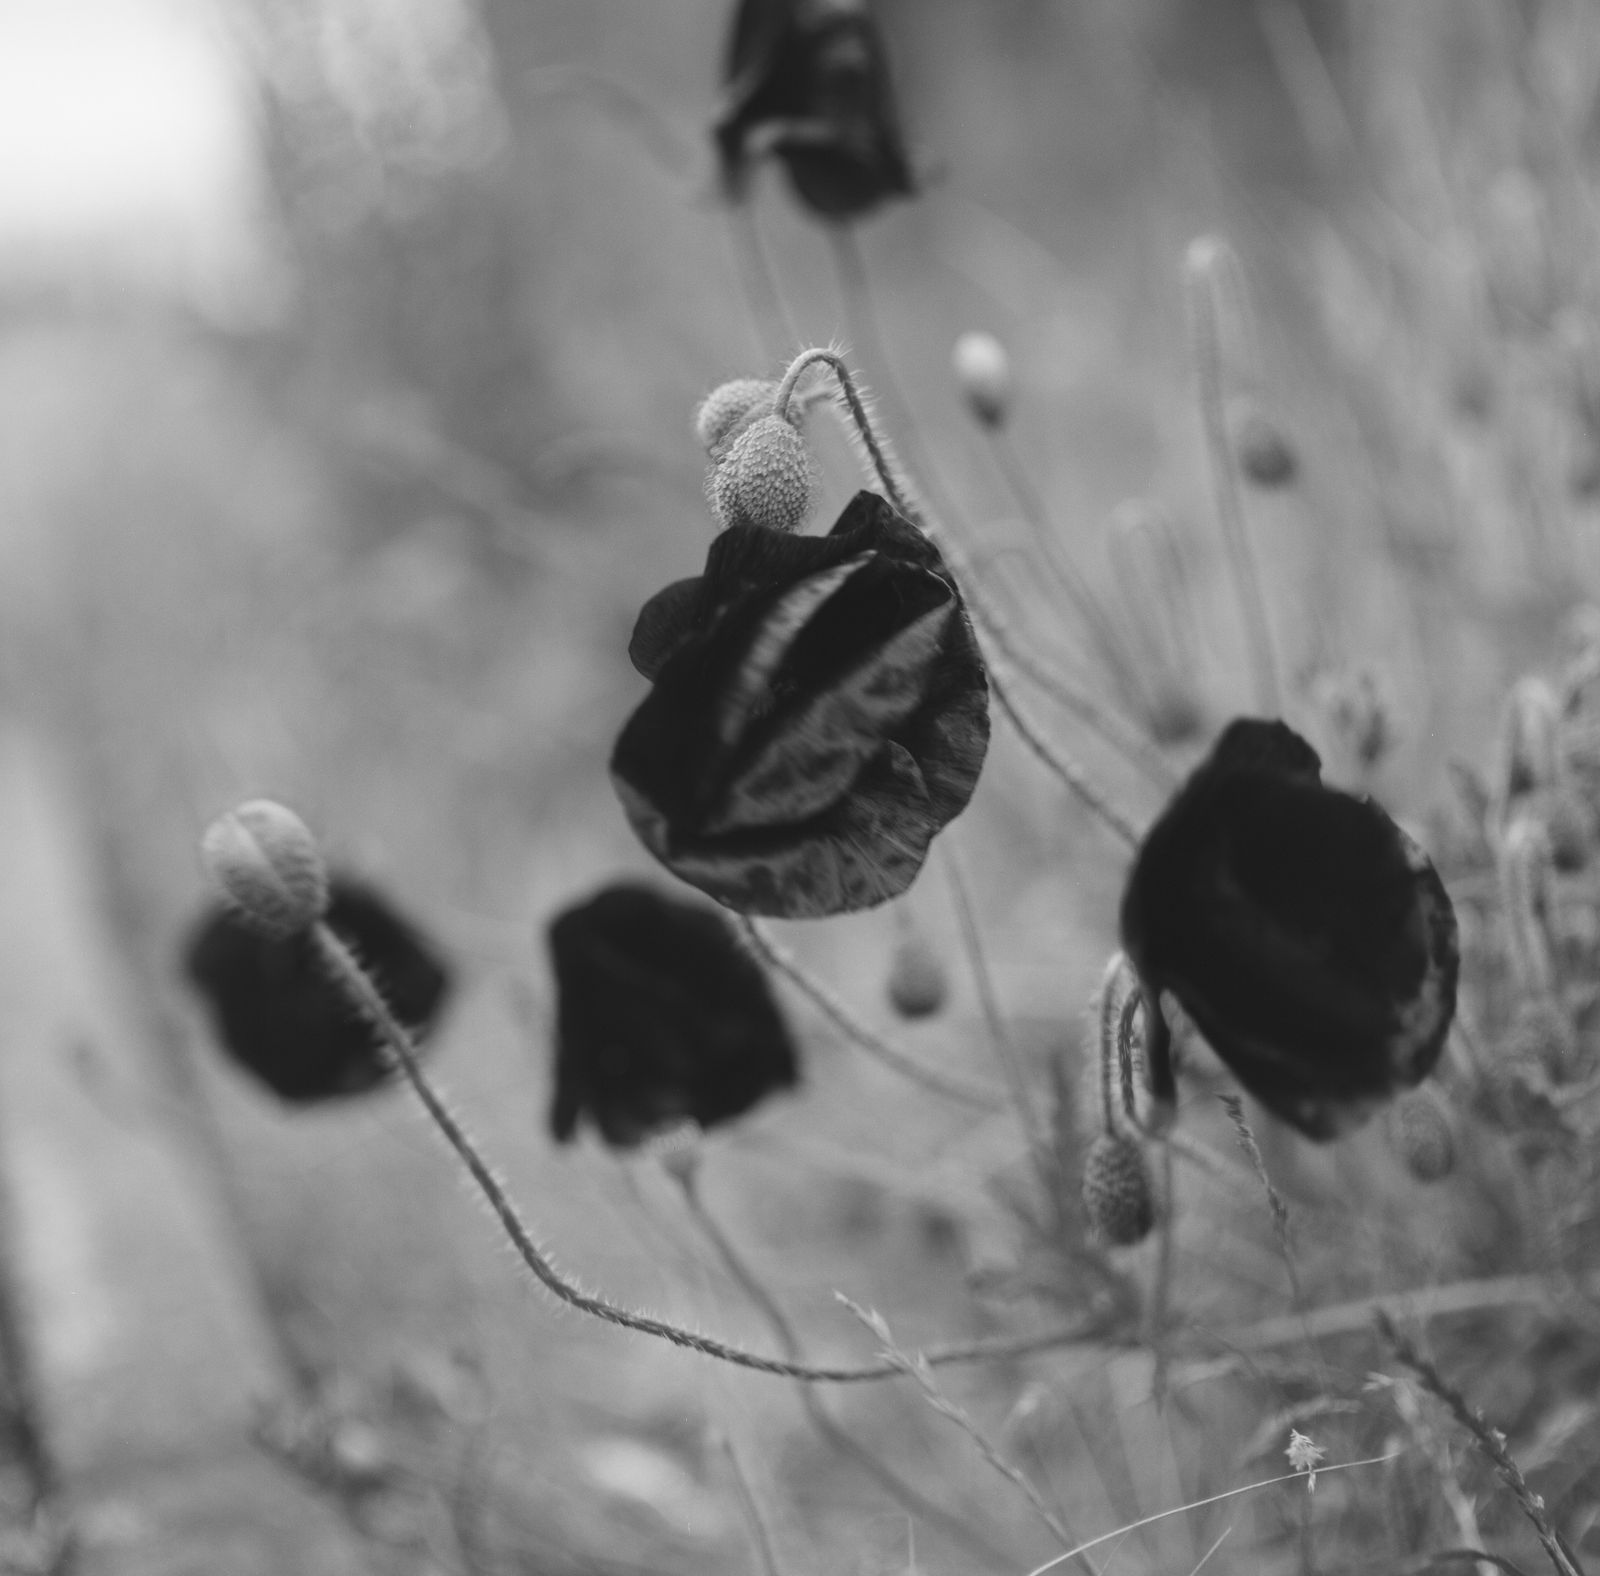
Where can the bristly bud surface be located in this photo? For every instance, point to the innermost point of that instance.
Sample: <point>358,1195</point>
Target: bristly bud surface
<point>729,408</point>
<point>267,865</point>
<point>766,478</point>
<point>983,374</point>
<point>1116,1191</point>
<point>1423,1138</point>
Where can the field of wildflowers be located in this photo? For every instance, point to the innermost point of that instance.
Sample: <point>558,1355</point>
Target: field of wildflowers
<point>841,781</point>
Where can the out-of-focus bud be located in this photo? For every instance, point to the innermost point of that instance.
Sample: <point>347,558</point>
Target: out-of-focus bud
<point>729,408</point>
<point>1423,1138</point>
<point>267,865</point>
<point>918,986</point>
<point>983,374</point>
<point>1265,454</point>
<point>1116,1191</point>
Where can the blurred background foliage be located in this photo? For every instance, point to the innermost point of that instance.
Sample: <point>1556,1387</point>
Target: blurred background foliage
<point>348,353</point>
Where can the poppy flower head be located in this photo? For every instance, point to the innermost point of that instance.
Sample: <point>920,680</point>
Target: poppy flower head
<point>1307,937</point>
<point>278,1015</point>
<point>663,1018</point>
<point>819,711</point>
<point>808,82</point>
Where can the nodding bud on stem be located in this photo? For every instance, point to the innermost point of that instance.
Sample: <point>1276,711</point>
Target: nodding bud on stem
<point>728,409</point>
<point>1116,1191</point>
<point>267,865</point>
<point>1529,735</point>
<point>983,374</point>
<point>766,477</point>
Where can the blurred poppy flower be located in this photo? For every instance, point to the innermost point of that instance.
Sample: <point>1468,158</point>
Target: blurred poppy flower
<point>808,82</point>
<point>1306,935</point>
<point>277,1013</point>
<point>662,1018</point>
<point>819,712</point>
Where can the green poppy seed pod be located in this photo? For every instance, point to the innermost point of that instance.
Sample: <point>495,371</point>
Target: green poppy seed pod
<point>918,987</point>
<point>267,865</point>
<point>983,374</point>
<point>1116,1191</point>
<point>1423,1138</point>
<point>1266,457</point>
<point>728,409</point>
<point>766,479</point>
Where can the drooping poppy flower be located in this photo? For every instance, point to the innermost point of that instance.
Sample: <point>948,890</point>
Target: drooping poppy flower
<point>808,82</point>
<point>1307,937</point>
<point>819,711</point>
<point>662,1018</point>
<point>277,1013</point>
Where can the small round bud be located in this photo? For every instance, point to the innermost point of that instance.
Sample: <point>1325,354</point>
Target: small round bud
<point>726,410</point>
<point>1266,456</point>
<point>918,987</point>
<point>1541,1039</point>
<point>1423,1138</point>
<point>1116,1191</point>
<point>983,374</point>
<point>1569,823</point>
<point>766,478</point>
<point>267,865</point>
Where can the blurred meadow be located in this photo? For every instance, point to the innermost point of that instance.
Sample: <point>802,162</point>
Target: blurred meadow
<point>349,356</point>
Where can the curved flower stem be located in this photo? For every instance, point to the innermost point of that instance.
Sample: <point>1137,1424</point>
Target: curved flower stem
<point>854,1030</point>
<point>900,496</point>
<point>1205,277</point>
<point>822,1420</point>
<point>349,976</point>
<point>1005,1052</point>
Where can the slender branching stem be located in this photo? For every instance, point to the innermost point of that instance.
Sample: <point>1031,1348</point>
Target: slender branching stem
<point>755,1517</point>
<point>1208,261</point>
<point>349,976</point>
<point>840,1016</point>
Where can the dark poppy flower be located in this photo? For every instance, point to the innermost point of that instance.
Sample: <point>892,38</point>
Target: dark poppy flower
<point>819,712</point>
<point>808,82</point>
<point>1306,935</point>
<point>278,1014</point>
<point>662,1018</point>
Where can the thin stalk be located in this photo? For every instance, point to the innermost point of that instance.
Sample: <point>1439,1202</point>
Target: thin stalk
<point>1000,1042</point>
<point>755,1517</point>
<point>764,304</point>
<point>821,1419</point>
<point>1208,257</point>
<point>854,1030</point>
<point>1489,1440</point>
<point>351,978</point>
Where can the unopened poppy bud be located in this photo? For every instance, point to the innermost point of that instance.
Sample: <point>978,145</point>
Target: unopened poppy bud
<point>1116,1191</point>
<point>918,986</point>
<point>1266,456</point>
<point>267,865</point>
<point>766,478</point>
<point>983,374</point>
<point>729,408</point>
<point>1541,1037</point>
<point>1423,1138</point>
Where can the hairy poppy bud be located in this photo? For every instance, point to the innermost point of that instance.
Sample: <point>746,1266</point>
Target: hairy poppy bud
<point>729,408</point>
<point>663,1018</point>
<point>819,711</point>
<point>983,374</point>
<point>1423,1138</point>
<point>918,985</point>
<point>1266,457</point>
<point>1306,935</point>
<point>1116,1191</point>
<point>807,81</point>
<point>766,478</point>
<point>279,1015</point>
<point>267,865</point>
